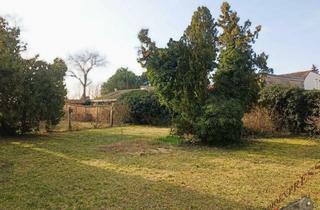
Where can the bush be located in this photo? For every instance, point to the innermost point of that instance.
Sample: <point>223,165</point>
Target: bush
<point>312,99</point>
<point>31,90</point>
<point>145,108</point>
<point>120,113</point>
<point>292,109</point>
<point>221,122</point>
<point>258,121</point>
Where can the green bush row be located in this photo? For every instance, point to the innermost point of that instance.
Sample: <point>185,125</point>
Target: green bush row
<point>145,108</point>
<point>292,109</point>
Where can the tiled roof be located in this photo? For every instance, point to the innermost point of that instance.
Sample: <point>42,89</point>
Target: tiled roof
<point>299,74</point>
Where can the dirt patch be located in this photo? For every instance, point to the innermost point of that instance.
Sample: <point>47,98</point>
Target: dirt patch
<point>136,148</point>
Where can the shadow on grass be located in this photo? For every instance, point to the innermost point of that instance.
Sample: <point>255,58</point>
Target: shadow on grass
<point>285,149</point>
<point>66,182</point>
<point>83,139</point>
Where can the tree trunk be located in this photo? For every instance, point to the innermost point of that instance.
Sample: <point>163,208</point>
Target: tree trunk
<point>84,94</point>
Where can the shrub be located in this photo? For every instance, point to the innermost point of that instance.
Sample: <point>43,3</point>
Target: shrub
<point>31,90</point>
<point>312,99</point>
<point>258,121</point>
<point>291,108</point>
<point>120,113</point>
<point>221,121</point>
<point>145,108</point>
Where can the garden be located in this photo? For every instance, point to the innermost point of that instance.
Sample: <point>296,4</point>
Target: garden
<point>139,167</point>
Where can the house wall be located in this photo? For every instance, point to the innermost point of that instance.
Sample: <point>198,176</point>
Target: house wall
<point>312,81</point>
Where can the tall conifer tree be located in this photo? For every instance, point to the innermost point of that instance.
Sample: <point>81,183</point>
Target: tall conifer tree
<point>237,73</point>
<point>180,72</point>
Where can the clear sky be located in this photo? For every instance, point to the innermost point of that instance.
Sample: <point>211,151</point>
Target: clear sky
<point>55,28</point>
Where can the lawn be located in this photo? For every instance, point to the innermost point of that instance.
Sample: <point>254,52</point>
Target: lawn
<point>130,168</point>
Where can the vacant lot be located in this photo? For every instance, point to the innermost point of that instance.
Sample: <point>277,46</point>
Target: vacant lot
<point>129,168</point>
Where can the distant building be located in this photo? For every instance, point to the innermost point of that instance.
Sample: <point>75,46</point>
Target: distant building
<point>308,80</point>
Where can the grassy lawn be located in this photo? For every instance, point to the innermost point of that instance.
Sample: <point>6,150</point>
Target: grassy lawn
<point>129,168</point>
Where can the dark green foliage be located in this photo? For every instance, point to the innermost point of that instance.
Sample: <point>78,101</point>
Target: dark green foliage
<point>182,74</point>
<point>291,107</point>
<point>44,94</point>
<point>315,69</point>
<point>239,66</point>
<point>145,108</point>
<point>30,90</point>
<point>87,102</point>
<point>42,98</point>
<point>201,39</point>
<point>312,101</point>
<point>10,76</point>
<point>143,79</point>
<point>221,122</point>
<point>123,79</point>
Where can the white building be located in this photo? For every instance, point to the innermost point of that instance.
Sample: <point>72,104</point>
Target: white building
<point>308,80</point>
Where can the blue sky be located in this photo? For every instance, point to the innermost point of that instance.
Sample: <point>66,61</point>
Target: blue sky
<point>55,28</point>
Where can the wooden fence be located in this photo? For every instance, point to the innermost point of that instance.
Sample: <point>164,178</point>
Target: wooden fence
<point>93,116</point>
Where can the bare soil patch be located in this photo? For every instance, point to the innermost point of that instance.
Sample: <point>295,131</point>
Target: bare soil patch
<point>136,148</point>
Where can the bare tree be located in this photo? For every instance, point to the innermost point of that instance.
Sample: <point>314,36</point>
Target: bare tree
<point>82,64</point>
<point>94,91</point>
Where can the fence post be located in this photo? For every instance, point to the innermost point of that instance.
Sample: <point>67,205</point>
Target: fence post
<point>97,115</point>
<point>69,118</point>
<point>111,116</point>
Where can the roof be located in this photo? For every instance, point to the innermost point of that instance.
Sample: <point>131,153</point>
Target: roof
<point>299,74</point>
<point>117,94</point>
<point>103,100</point>
<point>284,80</point>
<point>292,79</point>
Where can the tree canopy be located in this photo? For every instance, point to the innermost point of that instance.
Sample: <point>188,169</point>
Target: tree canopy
<point>185,70</point>
<point>123,79</point>
<point>180,72</point>
<point>238,65</point>
<point>31,90</point>
<point>82,64</point>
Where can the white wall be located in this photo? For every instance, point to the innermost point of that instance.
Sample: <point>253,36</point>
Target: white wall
<point>312,81</point>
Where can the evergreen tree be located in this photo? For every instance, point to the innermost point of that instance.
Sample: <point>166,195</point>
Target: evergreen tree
<point>30,90</point>
<point>201,39</point>
<point>143,79</point>
<point>180,72</point>
<point>43,96</point>
<point>315,69</point>
<point>10,76</point>
<point>123,79</point>
<point>237,72</point>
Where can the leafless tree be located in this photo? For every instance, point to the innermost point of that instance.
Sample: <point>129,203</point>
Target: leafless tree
<point>94,91</point>
<point>82,64</point>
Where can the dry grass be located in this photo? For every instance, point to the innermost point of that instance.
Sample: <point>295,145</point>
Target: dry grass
<point>259,121</point>
<point>70,171</point>
<point>136,147</point>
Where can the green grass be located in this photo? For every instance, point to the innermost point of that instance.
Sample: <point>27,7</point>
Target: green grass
<point>173,140</point>
<point>104,169</point>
